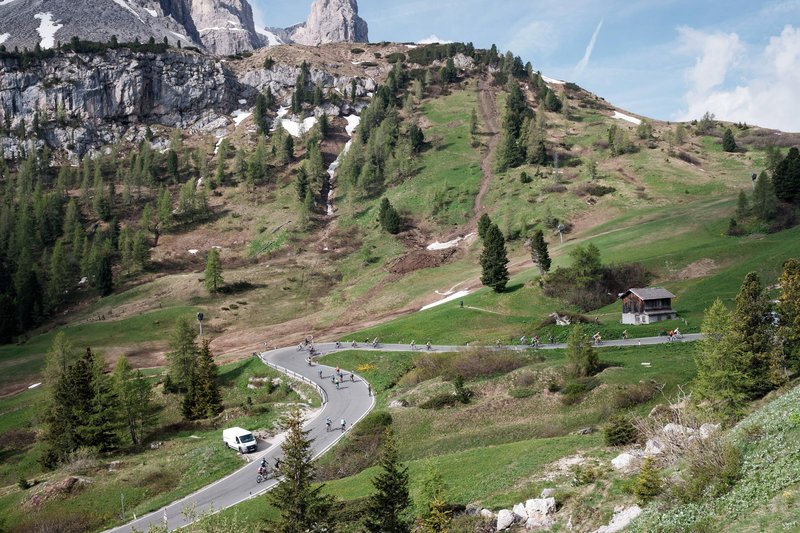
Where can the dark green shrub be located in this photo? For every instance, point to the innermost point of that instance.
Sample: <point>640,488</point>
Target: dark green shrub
<point>521,392</point>
<point>619,431</point>
<point>397,57</point>
<point>648,484</point>
<point>462,393</point>
<point>23,483</point>
<point>440,401</point>
<point>574,390</point>
<point>525,178</point>
<point>356,51</point>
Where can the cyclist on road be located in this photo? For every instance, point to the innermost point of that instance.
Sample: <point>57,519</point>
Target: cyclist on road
<point>344,424</point>
<point>328,424</point>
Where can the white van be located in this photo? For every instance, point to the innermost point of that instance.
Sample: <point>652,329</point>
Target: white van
<point>239,439</point>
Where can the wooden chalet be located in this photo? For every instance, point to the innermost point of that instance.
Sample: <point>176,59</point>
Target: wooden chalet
<point>646,306</point>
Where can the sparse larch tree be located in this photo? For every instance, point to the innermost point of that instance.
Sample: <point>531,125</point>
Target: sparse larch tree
<point>582,358</point>
<point>212,278</point>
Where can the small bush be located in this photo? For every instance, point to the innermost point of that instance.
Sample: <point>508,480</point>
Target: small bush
<point>368,64</point>
<point>468,364</point>
<point>713,467</point>
<point>440,401</point>
<point>637,394</point>
<point>521,392</point>
<point>397,57</point>
<point>554,188</point>
<point>619,431</point>
<point>594,189</point>
<point>586,474</point>
<point>356,51</point>
<point>574,390</point>
<point>648,484</point>
<point>525,178</point>
<point>23,483</point>
<point>462,393</point>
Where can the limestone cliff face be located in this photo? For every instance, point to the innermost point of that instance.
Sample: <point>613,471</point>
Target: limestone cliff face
<point>225,26</point>
<point>84,100</point>
<point>331,21</point>
<point>219,27</point>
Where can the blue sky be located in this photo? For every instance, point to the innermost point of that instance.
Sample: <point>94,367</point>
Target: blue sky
<point>667,59</point>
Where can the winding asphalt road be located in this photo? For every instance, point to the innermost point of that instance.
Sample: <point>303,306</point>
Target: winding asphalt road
<point>351,402</point>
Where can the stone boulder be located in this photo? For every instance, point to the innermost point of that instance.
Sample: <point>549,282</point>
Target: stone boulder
<point>706,430</point>
<point>625,462</point>
<point>547,493</point>
<point>487,514</point>
<point>653,447</point>
<point>505,519</point>
<point>677,430</point>
<point>540,512</point>
<point>398,404</point>
<point>621,519</point>
<point>519,510</point>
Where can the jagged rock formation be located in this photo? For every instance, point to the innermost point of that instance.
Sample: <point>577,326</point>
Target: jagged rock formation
<point>330,21</point>
<point>225,26</point>
<point>218,26</point>
<point>83,101</point>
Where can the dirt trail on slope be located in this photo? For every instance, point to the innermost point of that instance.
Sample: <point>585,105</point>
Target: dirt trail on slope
<point>490,118</point>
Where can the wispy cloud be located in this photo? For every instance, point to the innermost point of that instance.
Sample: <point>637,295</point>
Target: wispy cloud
<point>536,36</point>
<point>587,55</point>
<point>767,94</point>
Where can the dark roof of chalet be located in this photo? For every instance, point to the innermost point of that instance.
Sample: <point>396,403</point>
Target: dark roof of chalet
<point>652,293</point>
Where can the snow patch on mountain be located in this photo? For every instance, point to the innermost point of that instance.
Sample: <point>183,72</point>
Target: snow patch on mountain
<point>3,37</point>
<point>47,29</point>
<point>6,2</point>
<point>124,4</point>
<point>626,118</point>
<point>552,80</point>
<point>153,12</point>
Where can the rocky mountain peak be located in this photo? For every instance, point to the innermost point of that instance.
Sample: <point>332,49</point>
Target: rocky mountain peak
<point>331,21</point>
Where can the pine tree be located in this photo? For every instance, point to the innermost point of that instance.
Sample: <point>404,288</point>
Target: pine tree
<point>60,275</point>
<point>788,310</point>
<point>208,395</point>
<point>183,352</point>
<point>104,277</point>
<point>728,141</point>
<point>551,102</point>
<point>539,252</point>
<point>431,504</point>
<point>260,114</point>
<point>483,225</point>
<point>136,399</point>
<point>752,321</point>
<point>494,260</point>
<point>172,164</point>
<point>765,204</point>
<point>389,218</point>
<point>721,363</point>
<point>101,429</point>
<point>786,177</point>
<point>388,505</point>
<point>582,358</point>
<point>213,273</point>
<point>165,211</point>
<point>648,483</point>
<point>302,506</point>
<point>742,206</point>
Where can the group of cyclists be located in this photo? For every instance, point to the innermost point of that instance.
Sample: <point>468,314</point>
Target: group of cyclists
<point>329,424</point>
<point>264,472</point>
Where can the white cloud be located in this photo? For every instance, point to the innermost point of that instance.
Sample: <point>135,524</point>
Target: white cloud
<point>433,39</point>
<point>767,96</point>
<point>717,53</point>
<point>584,62</point>
<point>536,36</point>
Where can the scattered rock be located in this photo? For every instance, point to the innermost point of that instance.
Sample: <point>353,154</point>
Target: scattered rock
<point>585,431</point>
<point>654,447</point>
<point>398,404</point>
<point>113,466</point>
<point>505,519</point>
<point>519,510</point>
<point>621,519</point>
<point>487,514</point>
<point>156,445</point>
<point>540,511</point>
<point>677,430</point>
<point>548,493</point>
<point>706,430</point>
<point>52,491</point>
<point>625,462</point>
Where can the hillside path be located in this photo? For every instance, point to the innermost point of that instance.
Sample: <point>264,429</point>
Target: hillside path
<point>492,128</point>
<point>351,402</point>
